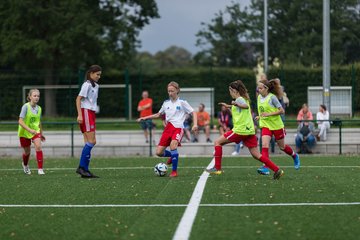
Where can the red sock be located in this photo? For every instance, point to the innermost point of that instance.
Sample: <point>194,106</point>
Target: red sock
<point>270,164</point>
<point>218,157</point>
<point>288,150</point>
<point>265,152</point>
<point>39,158</point>
<point>25,159</point>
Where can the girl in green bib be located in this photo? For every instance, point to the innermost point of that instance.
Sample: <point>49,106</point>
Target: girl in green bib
<point>30,130</point>
<point>243,130</point>
<point>269,110</point>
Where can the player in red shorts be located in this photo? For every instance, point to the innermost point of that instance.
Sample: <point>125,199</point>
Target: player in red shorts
<point>269,110</point>
<point>86,104</point>
<point>30,130</point>
<point>175,110</point>
<point>243,130</point>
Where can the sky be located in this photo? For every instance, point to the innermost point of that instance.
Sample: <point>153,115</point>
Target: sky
<point>179,22</point>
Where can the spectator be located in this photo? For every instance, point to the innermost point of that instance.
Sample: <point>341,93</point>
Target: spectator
<point>203,122</point>
<point>224,120</point>
<point>305,134</point>
<point>322,120</point>
<point>145,109</point>
<point>304,111</point>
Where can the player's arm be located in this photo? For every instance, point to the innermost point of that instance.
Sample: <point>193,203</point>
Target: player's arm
<point>224,104</point>
<point>240,105</point>
<point>195,126</point>
<point>156,115</point>
<point>23,125</point>
<point>78,108</point>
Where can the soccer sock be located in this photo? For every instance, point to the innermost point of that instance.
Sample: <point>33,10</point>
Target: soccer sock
<point>218,157</point>
<point>39,158</point>
<point>270,164</point>
<point>25,159</point>
<point>265,153</point>
<point>174,159</point>
<point>85,156</point>
<point>289,151</point>
<point>167,153</point>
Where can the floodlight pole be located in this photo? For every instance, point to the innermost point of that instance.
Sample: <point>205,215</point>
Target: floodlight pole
<point>266,57</point>
<point>326,54</point>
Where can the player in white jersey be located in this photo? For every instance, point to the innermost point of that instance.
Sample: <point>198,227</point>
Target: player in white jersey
<point>86,103</point>
<point>175,110</point>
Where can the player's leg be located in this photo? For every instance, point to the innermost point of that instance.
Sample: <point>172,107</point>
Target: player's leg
<point>39,154</point>
<point>289,151</point>
<point>270,164</point>
<point>25,144</point>
<point>266,135</point>
<point>174,156</point>
<point>219,142</point>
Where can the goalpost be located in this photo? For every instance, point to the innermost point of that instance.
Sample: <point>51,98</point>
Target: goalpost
<point>25,89</point>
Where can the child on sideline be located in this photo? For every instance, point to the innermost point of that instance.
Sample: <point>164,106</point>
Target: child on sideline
<point>175,110</point>
<point>86,103</point>
<point>269,110</point>
<point>30,130</point>
<point>243,130</point>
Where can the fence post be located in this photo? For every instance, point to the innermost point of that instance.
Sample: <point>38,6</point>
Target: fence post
<point>72,139</point>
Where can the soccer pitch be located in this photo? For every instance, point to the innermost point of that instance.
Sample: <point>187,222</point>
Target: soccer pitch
<point>320,201</point>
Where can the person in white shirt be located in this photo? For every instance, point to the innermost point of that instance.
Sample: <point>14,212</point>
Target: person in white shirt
<point>175,110</point>
<point>86,104</point>
<point>322,120</point>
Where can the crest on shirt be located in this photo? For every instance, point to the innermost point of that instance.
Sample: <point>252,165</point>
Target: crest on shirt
<point>177,107</point>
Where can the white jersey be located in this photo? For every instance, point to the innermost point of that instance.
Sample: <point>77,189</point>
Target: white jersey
<point>90,95</point>
<point>175,111</point>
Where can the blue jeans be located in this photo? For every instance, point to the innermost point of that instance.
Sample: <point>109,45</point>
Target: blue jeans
<point>310,141</point>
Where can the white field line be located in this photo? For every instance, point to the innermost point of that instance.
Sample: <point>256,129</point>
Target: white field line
<point>189,167</point>
<point>176,205</point>
<point>183,230</point>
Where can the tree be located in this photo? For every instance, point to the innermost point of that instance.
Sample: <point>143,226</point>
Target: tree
<point>49,35</point>
<point>295,29</point>
<point>223,38</point>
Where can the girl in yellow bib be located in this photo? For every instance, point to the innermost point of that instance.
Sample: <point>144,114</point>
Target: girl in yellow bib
<point>30,130</point>
<point>243,130</point>
<point>269,110</point>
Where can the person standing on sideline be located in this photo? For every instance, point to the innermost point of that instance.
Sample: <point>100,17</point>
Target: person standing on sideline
<point>322,120</point>
<point>243,130</point>
<point>30,130</point>
<point>269,110</point>
<point>145,109</point>
<point>86,104</point>
<point>175,110</point>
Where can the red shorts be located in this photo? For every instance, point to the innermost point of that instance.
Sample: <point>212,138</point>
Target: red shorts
<point>171,133</point>
<point>88,124</point>
<point>26,142</point>
<point>278,134</point>
<point>249,141</point>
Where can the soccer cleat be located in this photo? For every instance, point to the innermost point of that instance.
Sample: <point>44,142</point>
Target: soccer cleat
<point>41,171</point>
<point>296,161</point>
<point>26,169</point>
<point>214,171</point>
<point>83,172</point>
<point>173,174</point>
<point>91,175</point>
<point>263,170</point>
<point>169,161</point>
<point>278,174</point>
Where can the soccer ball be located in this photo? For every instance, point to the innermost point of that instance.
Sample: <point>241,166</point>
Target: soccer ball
<point>160,169</point>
